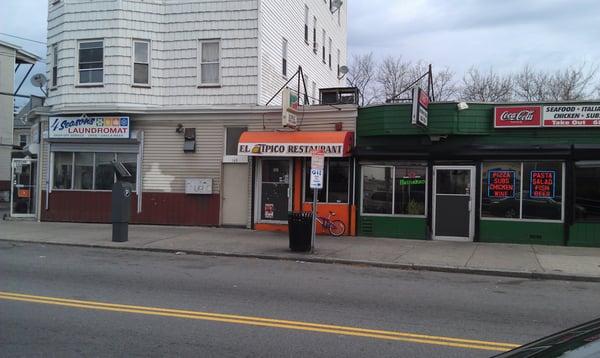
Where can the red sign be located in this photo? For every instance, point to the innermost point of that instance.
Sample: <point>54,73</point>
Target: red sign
<point>517,117</point>
<point>501,184</point>
<point>543,184</point>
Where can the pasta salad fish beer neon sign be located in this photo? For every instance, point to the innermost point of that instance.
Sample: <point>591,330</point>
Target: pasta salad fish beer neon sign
<point>557,116</point>
<point>88,127</point>
<point>542,184</point>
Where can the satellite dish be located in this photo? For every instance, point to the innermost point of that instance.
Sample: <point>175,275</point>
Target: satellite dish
<point>343,70</point>
<point>39,80</point>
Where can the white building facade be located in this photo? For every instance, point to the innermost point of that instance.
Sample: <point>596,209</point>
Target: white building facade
<point>188,53</point>
<point>185,79</point>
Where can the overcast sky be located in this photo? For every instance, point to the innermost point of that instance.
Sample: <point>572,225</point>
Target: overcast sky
<point>503,34</point>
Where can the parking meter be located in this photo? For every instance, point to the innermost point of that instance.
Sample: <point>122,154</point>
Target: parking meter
<point>120,203</point>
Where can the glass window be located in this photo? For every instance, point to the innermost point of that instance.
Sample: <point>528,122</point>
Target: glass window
<point>315,45</point>
<point>104,176</point>
<point>232,139</point>
<point>323,45</point>
<point>587,191</point>
<point>91,57</point>
<point>306,23</point>
<point>409,190</point>
<point>84,171</point>
<point>338,180</point>
<point>453,181</point>
<point>377,189</point>
<point>63,170</point>
<point>540,197</point>
<point>284,57</point>
<point>141,62</point>
<point>54,65</point>
<point>542,190</point>
<point>501,190</point>
<point>209,62</point>
<point>22,140</point>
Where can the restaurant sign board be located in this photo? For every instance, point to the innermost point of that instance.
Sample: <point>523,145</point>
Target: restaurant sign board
<point>587,115</point>
<point>517,117</point>
<point>88,127</point>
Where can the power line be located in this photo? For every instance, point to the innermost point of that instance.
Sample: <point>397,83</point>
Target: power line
<point>22,38</point>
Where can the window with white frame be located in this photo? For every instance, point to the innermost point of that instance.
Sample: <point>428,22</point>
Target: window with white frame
<point>54,76</point>
<point>338,62</point>
<point>232,139</point>
<point>22,140</point>
<point>522,190</point>
<point>90,171</point>
<point>306,23</point>
<point>329,53</point>
<point>323,45</point>
<point>315,45</point>
<point>314,91</point>
<point>141,62</point>
<point>91,61</point>
<point>394,189</point>
<point>305,86</point>
<point>284,46</point>
<point>210,62</point>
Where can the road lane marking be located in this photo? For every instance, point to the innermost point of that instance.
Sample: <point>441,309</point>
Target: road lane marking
<point>264,322</point>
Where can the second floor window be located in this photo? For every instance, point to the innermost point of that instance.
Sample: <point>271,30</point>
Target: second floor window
<point>210,66</point>
<point>91,62</point>
<point>315,46</point>
<point>306,23</point>
<point>329,53</point>
<point>323,44</point>
<point>284,57</point>
<point>54,82</point>
<point>141,62</point>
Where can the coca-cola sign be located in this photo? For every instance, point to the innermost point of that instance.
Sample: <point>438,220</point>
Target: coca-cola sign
<point>517,117</point>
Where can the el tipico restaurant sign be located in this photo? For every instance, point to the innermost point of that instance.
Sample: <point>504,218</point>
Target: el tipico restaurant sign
<point>561,116</point>
<point>89,127</point>
<point>290,149</point>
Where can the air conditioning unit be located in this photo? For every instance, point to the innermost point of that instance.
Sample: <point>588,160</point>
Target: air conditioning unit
<point>338,95</point>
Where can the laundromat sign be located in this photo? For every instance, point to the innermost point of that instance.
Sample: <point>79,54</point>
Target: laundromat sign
<point>88,127</point>
<point>554,116</point>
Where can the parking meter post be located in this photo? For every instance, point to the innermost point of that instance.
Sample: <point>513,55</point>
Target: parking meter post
<point>314,220</point>
<point>120,204</point>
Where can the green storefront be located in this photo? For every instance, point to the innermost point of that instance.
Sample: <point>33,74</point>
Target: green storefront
<point>514,173</point>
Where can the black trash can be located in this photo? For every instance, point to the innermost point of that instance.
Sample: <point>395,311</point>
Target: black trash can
<point>300,229</point>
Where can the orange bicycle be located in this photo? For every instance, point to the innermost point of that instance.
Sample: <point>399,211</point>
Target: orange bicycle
<point>335,227</point>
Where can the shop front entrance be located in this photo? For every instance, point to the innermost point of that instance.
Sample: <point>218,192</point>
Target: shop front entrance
<point>453,202</point>
<point>23,198</point>
<point>274,190</point>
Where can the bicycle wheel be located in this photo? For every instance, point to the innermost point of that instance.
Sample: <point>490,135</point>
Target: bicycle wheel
<point>337,227</point>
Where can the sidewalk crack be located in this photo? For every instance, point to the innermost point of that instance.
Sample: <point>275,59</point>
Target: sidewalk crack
<point>472,254</point>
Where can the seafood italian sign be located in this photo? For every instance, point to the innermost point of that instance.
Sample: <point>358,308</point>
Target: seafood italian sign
<point>88,127</point>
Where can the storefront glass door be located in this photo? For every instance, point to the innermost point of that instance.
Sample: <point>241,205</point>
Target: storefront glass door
<point>23,200</point>
<point>275,189</point>
<point>453,214</point>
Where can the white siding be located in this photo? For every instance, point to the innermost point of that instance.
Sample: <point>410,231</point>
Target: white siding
<point>166,166</point>
<point>286,19</point>
<point>7,70</point>
<point>174,27</point>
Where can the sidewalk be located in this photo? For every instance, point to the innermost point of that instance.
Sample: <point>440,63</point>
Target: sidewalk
<point>528,261</point>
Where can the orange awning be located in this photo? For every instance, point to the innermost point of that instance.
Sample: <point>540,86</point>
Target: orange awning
<point>295,144</point>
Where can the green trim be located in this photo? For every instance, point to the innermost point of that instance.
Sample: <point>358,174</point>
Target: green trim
<point>584,234</point>
<point>521,232</point>
<point>394,227</point>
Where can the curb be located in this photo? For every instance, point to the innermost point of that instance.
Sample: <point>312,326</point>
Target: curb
<point>326,260</point>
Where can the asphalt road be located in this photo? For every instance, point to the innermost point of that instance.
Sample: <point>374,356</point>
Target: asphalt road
<point>454,306</point>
